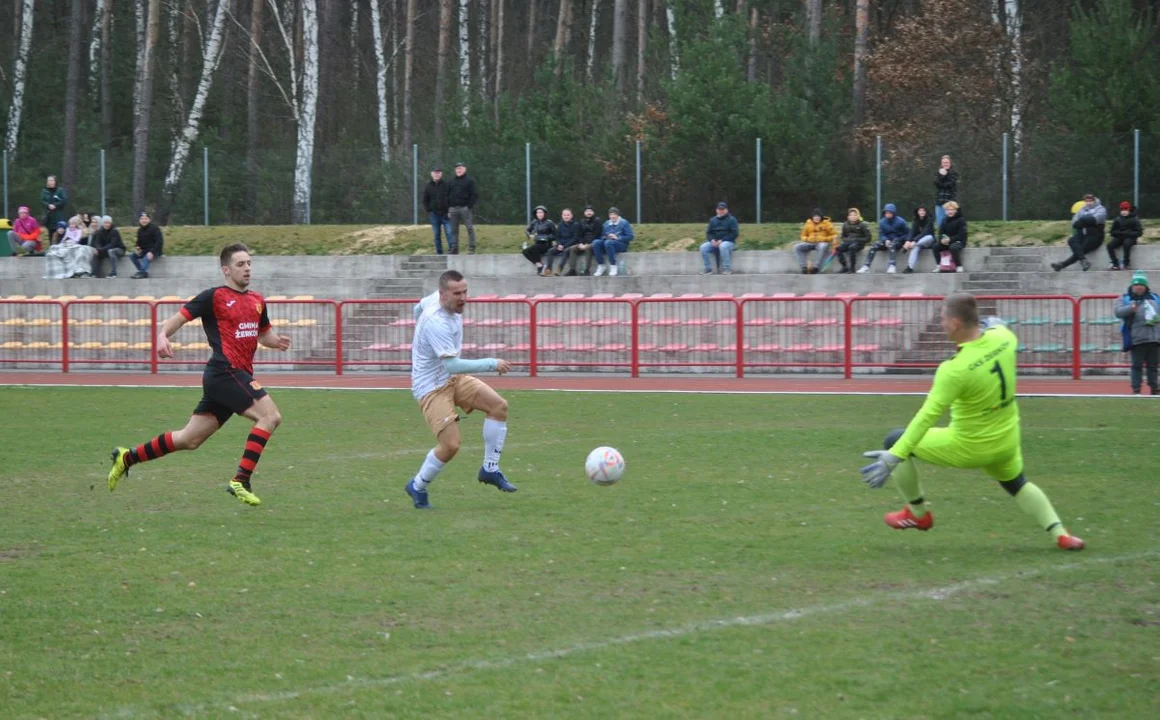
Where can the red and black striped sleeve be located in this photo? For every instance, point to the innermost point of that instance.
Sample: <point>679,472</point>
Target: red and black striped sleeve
<point>264,321</point>
<point>199,306</point>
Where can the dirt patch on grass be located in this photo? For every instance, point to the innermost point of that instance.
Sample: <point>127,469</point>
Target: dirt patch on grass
<point>15,553</point>
<point>377,240</point>
<point>679,244</point>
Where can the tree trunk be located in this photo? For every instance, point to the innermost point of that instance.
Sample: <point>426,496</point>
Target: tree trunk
<point>861,42</point>
<point>72,91</point>
<point>95,51</point>
<point>563,28</point>
<point>408,72</point>
<point>139,13</point>
<point>751,68</point>
<point>498,55</point>
<point>641,48</point>
<point>192,127</point>
<point>304,164</point>
<point>465,58</point>
<point>106,76</point>
<point>814,21</point>
<point>593,26</point>
<point>718,8</point>
<point>441,66</point>
<point>483,48</point>
<point>1014,28</point>
<point>145,104</point>
<point>396,44</point>
<point>376,21</point>
<point>531,59</point>
<point>253,109</point>
<point>176,98</point>
<point>619,42</point>
<point>674,50</point>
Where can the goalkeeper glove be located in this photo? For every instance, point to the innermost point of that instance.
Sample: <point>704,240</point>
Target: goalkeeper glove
<point>878,472</point>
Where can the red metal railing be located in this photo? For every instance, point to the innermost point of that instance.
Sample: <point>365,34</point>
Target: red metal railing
<point>634,335</point>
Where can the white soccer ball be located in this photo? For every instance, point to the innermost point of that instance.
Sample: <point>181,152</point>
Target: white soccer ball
<point>604,465</point>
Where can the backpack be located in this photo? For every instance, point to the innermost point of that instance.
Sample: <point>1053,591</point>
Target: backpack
<point>946,262</point>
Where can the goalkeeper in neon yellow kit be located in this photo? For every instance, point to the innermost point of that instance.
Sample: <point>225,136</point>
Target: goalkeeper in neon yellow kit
<point>978,385</point>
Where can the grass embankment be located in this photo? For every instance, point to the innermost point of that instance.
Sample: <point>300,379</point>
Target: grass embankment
<point>414,239</point>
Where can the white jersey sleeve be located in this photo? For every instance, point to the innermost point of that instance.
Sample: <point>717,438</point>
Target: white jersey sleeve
<point>438,335</point>
<point>430,301</point>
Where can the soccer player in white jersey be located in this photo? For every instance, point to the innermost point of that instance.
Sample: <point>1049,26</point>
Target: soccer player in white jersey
<point>440,383</point>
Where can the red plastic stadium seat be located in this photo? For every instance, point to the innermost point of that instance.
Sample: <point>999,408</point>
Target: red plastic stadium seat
<point>726,322</point>
<point>517,322</point>
<point>661,296</point>
<point>551,347</point>
<point>759,321</point>
<point>888,322</point>
<point>767,348</point>
<point>911,295</point>
<point>549,322</point>
<point>403,347</point>
<point>664,322</point>
<point>578,322</point>
<point>846,295</point>
<point>486,297</point>
<point>516,296</point>
<point>868,348</point>
<point>601,296</point>
<point>707,347</point>
<point>581,348</point>
<point>469,346</point>
<point>859,322</point>
<point>380,347</point>
<point>520,347</point>
<point>800,348</point>
<point>790,322</point>
<point>822,322</point>
<point>831,348</point>
<point>607,321</point>
<point>752,296</point>
<point>631,296</point>
<point>674,348</point>
<point>815,295</point>
<point>782,295</point>
<point>491,322</point>
<point>647,347</point>
<point>490,347</point>
<point>691,296</point>
<point>698,322</point>
<point>721,296</point>
<point>575,296</point>
<point>613,347</point>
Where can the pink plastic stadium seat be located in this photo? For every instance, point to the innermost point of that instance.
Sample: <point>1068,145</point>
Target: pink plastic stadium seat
<point>486,297</point>
<point>578,322</point>
<point>379,347</point>
<point>752,296</point>
<point>800,348</point>
<point>674,348</point>
<point>879,295</point>
<point>613,348</point>
<point>831,348</point>
<point>790,322</point>
<point>581,348</point>
<point>759,321</point>
<point>607,322</point>
<point>867,348</point>
<point>492,347</point>
<point>846,295</point>
<point>691,296</point>
<point>888,322</point>
<point>551,347</point>
<point>515,296</point>
<point>815,295</point>
<point>707,347</point>
<point>782,295</point>
<point>823,322</point>
<point>601,296</point>
<point>661,296</point>
<point>767,348</point>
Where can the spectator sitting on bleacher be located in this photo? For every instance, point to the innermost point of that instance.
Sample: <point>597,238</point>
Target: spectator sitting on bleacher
<point>107,243</point>
<point>892,233</point>
<point>1088,226</point>
<point>590,227</point>
<point>71,257</point>
<point>567,235</point>
<point>1126,231</point>
<point>615,237</point>
<point>25,233</point>
<point>720,240</point>
<point>91,224</point>
<point>149,244</point>
<point>952,238</point>
<point>542,232</point>
<point>817,234</point>
<point>921,237</point>
<point>855,234</point>
<point>54,199</point>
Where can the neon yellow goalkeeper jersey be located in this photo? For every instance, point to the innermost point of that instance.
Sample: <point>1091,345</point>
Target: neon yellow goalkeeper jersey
<point>978,385</point>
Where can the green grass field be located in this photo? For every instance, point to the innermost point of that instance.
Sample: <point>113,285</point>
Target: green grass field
<point>740,569</point>
<point>409,240</point>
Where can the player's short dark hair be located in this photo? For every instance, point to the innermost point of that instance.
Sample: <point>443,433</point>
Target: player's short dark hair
<point>227,254</point>
<point>449,277</point>
<point>962,306</point>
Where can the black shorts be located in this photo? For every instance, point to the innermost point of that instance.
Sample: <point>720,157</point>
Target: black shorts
<point>227,392</point>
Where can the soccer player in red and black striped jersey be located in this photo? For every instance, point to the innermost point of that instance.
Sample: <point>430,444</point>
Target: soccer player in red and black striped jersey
<point>235,322</point>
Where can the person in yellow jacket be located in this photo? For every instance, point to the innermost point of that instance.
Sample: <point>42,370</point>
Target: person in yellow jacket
<point>817,234</point>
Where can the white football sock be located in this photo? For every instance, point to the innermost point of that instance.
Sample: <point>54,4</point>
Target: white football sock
<point>494,433</point>
<point>430,468</point>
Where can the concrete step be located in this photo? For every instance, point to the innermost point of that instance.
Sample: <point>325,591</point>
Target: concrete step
<point>1023,251</point>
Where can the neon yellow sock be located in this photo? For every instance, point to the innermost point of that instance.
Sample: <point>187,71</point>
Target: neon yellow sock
<point>906,477</point>
<point>1034,502</point>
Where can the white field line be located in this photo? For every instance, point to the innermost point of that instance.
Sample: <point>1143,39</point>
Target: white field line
<point>771,618</point>
<point>616,391</point>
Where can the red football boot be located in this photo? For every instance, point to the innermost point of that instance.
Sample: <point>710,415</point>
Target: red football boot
<point>1069,542</point>
<point>905,520</point>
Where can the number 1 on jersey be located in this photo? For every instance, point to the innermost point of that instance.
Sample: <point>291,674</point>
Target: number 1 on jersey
<point>997,370</point>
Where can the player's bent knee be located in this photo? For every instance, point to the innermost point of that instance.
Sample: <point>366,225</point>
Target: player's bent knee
<point>448,445</point>
<point>892,437</point>
<point>499,411</point>
<point>1014,486</point>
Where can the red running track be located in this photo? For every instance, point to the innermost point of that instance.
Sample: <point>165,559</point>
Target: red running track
<point>878,385</point>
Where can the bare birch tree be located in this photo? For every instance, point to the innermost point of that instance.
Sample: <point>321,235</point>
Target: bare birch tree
<point>593,26</point>
<point>751,67</point>
<point>861,46</point>
<point>95,46</point>
<point>718,9</point>
<point>814,21</point>
<point>176,98</point>
<point>464,58</point>
<point>641,48</point>
<point>563,29</point>
<point>498,55</point>
<point>674,49</point>
<point>619,42</point>
<point>183,143</point>
<point>106,75</point>
<point>304,164</point>
<point>376,21</point>
<point>531,59</point>
<point>1013,26</point>
<point>72,92</point>
<point>145,103</point>
<point>140,8</point>
<point>483,47</point>
<point>19,76</point>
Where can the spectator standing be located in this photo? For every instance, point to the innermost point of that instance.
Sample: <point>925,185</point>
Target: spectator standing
<point>892,234</point>
<point>1087,233</point>
<point>855,234</point>
<point>54,199</point>
<point>107,243</point>
<point>615,236</point>
<point>720,240</point>
<point>1126,231</point>
<point>1139,308</point>
<point>817,234</point>
<point>149,243</point>
<point>71,257</point>
<point>590,229</point>
<point>567,235</point>
<point>920,238</point>
<point>952,238</point>
<point>436,204</point>
<point>25,233</point>
<point>462,195</point>
<point>542,232</point>
<point>946,185</point>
